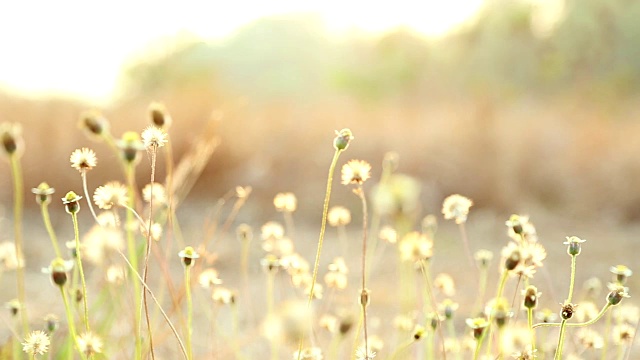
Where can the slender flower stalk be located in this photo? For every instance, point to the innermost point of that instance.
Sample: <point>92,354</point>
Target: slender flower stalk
<point>340,144</point>
<point>72,205</point>
<point>188,256</point>
<point>43,197</point>
<point>573,249</point>
<point>13,146</point>
<point>152,138</point>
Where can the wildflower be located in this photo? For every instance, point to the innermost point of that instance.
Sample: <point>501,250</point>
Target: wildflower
<point>456,207</point>
<point>444,283</point>
<point>404,322</point>
<point>478,325</point>
<point>339,216</point>
<point>364,354</point>
<point>355,172</point>
<point>329,322</point>
<point>71,202</point>
<point>531,297</point>
<point>418,332</point>
<point>388,234</point>
<point>621,272</point>
<point>546,316</point>
<point>312,353</point>
<point>270,263</point>
<point>627,313</point>
<point>116,274</point>
<point>520,228</point>
<point>130,144</point>
<point>279,246</point>
<point>209,278</point>
<point>574,246</point>
<point>155,230</point>
<point>617,293</point>
<point>285,202</point>
<point>337,275</point>
<point>43,193</point>
<point>483,257</point>
<point>58,270</point>
<point>9,258</point>
<point>416,247</point>
<point>83,159</point>
<point>110,194</point>
<point>342,139</point>
<point>153,137</point>
<point>590,338</point>
<point>159,115</point>
<point>36,343</point>
<point>188,255</point>
<point>511,255</point>
<point>223,296</point>
<point>89,344</point>
<point>51,323</point>
<point>101,241</point>
<point>623,333</point>
<point>528,354</point>
<point>156,190</point>
<point>429,224</point>
<point>499,310</point>
<point>318,290</point>
<point>586,311</point>
<point>567,310</point>
<point>244,232</point>
<point>272,229</point>
<point>11,138</point>
<point>94,123</point>
<point>14,306</point>
<point>448,308</point>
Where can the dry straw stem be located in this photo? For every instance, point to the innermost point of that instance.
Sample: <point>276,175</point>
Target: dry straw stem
<point>164,314</point>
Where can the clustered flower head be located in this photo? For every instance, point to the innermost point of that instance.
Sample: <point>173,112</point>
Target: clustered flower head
<point>285,202</point>
<point>456,207</point>
<point>416,247</point>
<point>574,245</point>
<point>58,270</point>
<point>110,194</point>
<point>355,172</point>
<point>339,216</point>
<point>36,343</point>
<point>11,138</point>
<point>478,325</point>
<point>342,139</point>
<point>83,159</point>
<point>365,354</point>
<point>43,193</point>
<point>130,145</point>
<point>89,344</point>
<point>188,256</point>
<point>154,137</point>
<point>71,201</point>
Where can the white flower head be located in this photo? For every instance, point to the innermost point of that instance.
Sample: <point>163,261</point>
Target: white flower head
<point>154,137</point>
<point>83,159</point>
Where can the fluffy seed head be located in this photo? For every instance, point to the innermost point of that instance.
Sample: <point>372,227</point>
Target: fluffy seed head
<point>456,207</point>
<point>36,343</point>
<point>89,344</point>
<point>355,172</point>
<point>110,194</point>
<point>154,137</point>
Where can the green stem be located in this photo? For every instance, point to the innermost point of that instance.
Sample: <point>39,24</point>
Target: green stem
<point>587,323</point>
<point>76,231</point>
<point>71,324</point>
<point>86,195</point>
<point>573,277</point>
<point>476,353</point>
<point>429,288</point>
<point>465,240</point>
<point>360,193</point>
<point>325,209</point>
<point>133,257</point>
<point>187,281</point>
<point>44,209</point>
<point>18,202</point>
<point>558,355</point>
<point>533,333</point>
<point>607,330</point>
<point>400,349</point>
<point>145,271</point>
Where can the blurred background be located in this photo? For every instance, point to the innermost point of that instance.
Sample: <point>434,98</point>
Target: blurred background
<point>526,106</point>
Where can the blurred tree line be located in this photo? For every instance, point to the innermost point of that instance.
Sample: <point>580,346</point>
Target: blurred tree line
<point>593,49</point>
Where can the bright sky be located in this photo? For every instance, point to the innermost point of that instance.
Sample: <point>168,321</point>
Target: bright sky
<point>77,48</point>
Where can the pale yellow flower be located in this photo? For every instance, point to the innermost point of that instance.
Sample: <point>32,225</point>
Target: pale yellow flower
<point>285,202</point>
<point>355,172</point>
<point>110,194</point>
<point>456,207</point>
<point>36,343</point>
<point>339,216</point>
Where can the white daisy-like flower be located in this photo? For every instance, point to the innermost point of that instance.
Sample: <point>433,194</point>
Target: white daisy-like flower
<point>456,207</point>
<point>355,172</point>
<point>110,194</point>
<point>363,354</point>
<point>156,190</point>
<point>154,137</point>
<point>36,343</point>
<point>89,344</point>
<point>83,159</point>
